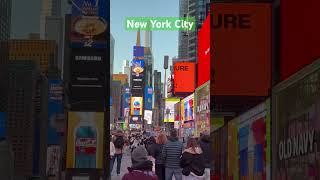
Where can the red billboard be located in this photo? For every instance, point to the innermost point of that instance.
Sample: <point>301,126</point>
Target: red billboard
<point>184,77</point>
<point>241,35</point>
<point>300,35</point>
<point>204,52</point>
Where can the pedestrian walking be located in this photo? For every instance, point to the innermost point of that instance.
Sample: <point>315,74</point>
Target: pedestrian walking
<point>206,146</point>
<point>192,161</point>
<point>171,153</point>
<point>156,153</point>
<point>119,145</point>
<point>112,153</point>
<point>141,168</point>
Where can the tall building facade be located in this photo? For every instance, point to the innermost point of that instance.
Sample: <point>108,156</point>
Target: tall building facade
<point>183,36</point>
<point>49,8</point>
<point>116,101</point>
<point>5,19</point>
<point>26,123</point>
<point>157,96</point>
<point>42,51</point>
<point>112,44</point>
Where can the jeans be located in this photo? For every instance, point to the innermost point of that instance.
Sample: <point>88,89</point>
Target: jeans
<point>177,172</point>
<point>119,158</point>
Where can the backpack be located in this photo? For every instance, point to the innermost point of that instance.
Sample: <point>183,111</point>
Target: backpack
<point>119,142</point>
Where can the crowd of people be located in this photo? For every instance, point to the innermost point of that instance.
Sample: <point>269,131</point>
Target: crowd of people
<point>162,158</point>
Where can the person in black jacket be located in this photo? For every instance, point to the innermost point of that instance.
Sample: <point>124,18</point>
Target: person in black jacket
<point>156,152</point>
<point>192,161</point>
<point>206,146</point>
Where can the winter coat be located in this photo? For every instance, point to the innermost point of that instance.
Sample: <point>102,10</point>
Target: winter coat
<point>143,171</point>
<point>171,153</point>
<point>206,146</point>
<point>192,161</point>
<point>155,151</point>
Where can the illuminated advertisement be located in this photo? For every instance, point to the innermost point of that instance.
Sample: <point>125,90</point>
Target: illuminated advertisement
<point>148,97</point>
<point>202,109</point>
<point>136,106</point>
<point>126,97</point>
<point>169,109</point>
<point>89,23</point>
<point>184,77</point>
<point>138,51</point>
<point>170,86</point>
<point>296,114</point>
<point>55,111</point>
<point>177,111</point>
<point>204,52</point>
<point>85,140</point>
<point>253,34</point>
<point>135,120</point>
<point>135,126</point>
<point>188,108</point>
<point>148,116</point>
<point>137,77</point>
<point>2,124</point>
<point>53,160</point>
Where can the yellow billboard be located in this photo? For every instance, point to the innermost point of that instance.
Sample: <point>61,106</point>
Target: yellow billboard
<point>85,140</point>
<point>136,106</point>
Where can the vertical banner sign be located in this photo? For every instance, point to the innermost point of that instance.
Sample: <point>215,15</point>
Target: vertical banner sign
<point>204,52</point>
<point>126,97</point>
<point>148,97</point>
<point>202,109</point>
<point>188,105</point>
<point>2,124</point>
<point>85,140</point>
<point>137,76</point>
<point>55,111</point>
<point>148,116</point>
<point>184,77</point>
<point>89,23</point>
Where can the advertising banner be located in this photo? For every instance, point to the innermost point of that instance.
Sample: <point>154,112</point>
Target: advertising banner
<point>2,124</point>
<point>233,60</point>
<point>177,111</point>
<point>148,97</point>
<point>85,140</point>
<point>148,116</point>
<point>135,126</point>
<point>138,51</point>
<point>136,120</point>
<point>188,108</point>
<point>136,106</point>
<point>296,114</point>
<point>170,86</point>
<point>89,23</point>
<point>126,97</point>
<point>204,52</point>
<point>137,77</point>
<point>202,108</point>
<point>169,109</point>
<point>53,160</point>
<point>184,77</point>
<point>56,120</point>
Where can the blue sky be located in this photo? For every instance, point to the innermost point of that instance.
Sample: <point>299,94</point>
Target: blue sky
<point>163,42</point>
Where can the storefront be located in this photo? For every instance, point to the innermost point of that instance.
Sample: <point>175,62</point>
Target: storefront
<point>296,131</point>
<point>202,109</point>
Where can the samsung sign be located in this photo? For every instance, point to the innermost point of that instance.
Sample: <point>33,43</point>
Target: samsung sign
<point>297,145</point>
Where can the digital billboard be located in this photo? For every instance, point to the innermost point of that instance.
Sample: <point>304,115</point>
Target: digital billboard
<point>55,111</point>
<point>138,51</point>
<point>184,77</point>
<point>299,46</point>
<point>89,24</point>
<point>148,91</point>
<point>148,116</point>
<point>202,109</point>
<point>85,140</point>
<point>136,106</point>
<point>53,160</point>
<point>135,120</point>
<point>2,124</point>
<point>242,49</point>
<point>188,108</point>
<point>169,109</point>
<point>126,97</point>
<point>137,77</point>
<point>204,52</point>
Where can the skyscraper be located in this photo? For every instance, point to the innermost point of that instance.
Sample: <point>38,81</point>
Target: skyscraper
<point>126,69</point>
<point>183,36</point>
<point>49,8</point>
<point>148,39</point>
<point>5,19</point>
<point>112,43</point>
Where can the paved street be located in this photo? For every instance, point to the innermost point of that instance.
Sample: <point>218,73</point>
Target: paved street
<point>125,163</point>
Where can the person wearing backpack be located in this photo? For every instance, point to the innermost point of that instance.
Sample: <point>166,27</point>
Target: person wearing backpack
<point>118,144</point>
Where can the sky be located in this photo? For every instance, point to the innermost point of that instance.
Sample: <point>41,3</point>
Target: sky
<point>163,42</point>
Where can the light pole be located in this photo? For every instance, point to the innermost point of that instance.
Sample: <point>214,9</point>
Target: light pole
<point>165,66</point>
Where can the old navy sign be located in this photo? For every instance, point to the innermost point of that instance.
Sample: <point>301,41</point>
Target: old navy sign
<point>297,145</point>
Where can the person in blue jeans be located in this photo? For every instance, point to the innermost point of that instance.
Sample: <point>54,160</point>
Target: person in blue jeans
<point>171,153</point>
<point>119,144</point>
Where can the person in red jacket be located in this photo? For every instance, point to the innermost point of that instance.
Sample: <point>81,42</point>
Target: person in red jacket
<point>141,168</point>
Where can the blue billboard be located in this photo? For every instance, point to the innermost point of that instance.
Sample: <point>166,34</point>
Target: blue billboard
<point>148,97</point>
<point>126,97</point>
<point>138,51</point>
<point>2,124</point>
<point>89,23</point>
<point>55,111</point>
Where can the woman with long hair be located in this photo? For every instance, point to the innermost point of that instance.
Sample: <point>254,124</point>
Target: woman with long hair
<point>192,161</point>
<point>155,151</point>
